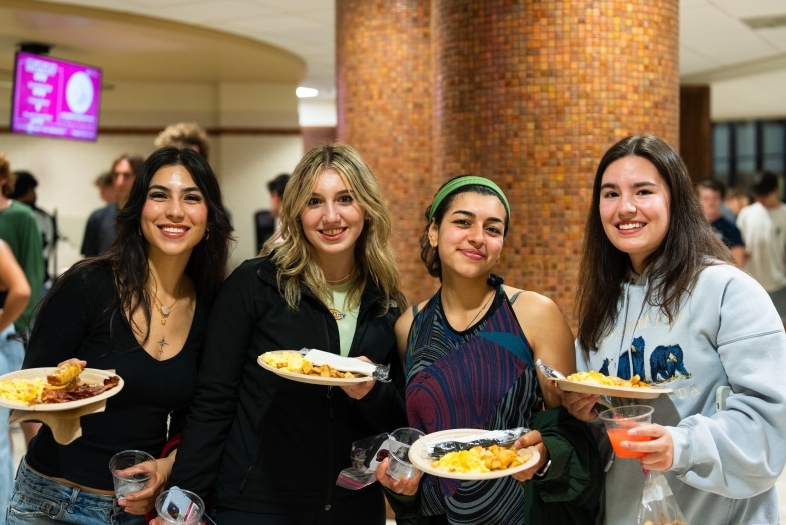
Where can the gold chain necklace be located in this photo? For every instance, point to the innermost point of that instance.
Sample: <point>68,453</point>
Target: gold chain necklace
<point>163,309</point>
<point>339,280</point>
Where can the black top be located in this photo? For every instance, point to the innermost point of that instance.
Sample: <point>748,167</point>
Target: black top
<point>76,324</point>
<point>100,231</point>
<point>729,233</point>
<point>265,444</point>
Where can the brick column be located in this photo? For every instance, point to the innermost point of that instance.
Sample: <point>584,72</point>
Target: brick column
<point>384,80</point>
<point>531,93</point>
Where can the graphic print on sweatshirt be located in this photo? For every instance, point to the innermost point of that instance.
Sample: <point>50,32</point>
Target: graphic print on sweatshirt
<point>666,363</point>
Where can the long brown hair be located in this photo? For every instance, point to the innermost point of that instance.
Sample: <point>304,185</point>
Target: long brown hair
<point>673,268</point>
<point>374,257</point>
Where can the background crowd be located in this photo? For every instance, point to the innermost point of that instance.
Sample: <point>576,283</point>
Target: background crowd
<point>660,294</point>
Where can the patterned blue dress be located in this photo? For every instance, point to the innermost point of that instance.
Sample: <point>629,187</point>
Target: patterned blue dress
<point>483,378</point>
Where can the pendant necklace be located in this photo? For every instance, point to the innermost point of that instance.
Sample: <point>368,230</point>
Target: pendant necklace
<point>163,309</point>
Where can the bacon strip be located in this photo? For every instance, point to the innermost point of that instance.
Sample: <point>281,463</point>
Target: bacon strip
<point>82,391</point>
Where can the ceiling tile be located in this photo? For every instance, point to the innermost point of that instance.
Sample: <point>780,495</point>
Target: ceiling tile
<point>693,62</point>
<point>212,12</point>
<point>751,8</point>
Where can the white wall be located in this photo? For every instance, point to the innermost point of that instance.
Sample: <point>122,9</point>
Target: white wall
<point>244,163</point>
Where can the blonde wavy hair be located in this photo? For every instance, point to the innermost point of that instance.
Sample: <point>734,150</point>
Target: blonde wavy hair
<point>294,255</point>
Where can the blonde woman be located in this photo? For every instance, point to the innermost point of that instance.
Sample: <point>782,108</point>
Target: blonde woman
<point>269,449</point>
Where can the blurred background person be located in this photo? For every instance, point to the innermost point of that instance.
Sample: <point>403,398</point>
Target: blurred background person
<point>25,193</point>
<point>763,226</point>
<point>100,229</point>
<point>736,199</point>
<point>185,135</point>
<point>14,296</point>
<point>711,194</point>
<point>19,228</point>
<point>106,187</point>
<point>276,188</point>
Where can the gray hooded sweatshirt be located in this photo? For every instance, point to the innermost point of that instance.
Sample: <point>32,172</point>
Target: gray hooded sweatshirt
<point>727,333</point>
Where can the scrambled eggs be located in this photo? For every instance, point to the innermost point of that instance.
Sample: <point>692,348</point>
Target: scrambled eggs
<point>600,379</point>
<point>480,460</point>
<point>21,390</point>
<point>289,361</point>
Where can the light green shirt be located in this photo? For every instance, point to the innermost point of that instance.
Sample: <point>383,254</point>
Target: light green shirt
<point>347,320</point>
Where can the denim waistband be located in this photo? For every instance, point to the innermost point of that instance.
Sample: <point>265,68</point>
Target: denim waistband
<point>62,493</point>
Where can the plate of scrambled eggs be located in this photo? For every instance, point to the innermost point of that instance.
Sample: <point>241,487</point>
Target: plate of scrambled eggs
<point>291,365</point>
<point>478,463</point>
<point>598,384</point>
<point>31,389</point>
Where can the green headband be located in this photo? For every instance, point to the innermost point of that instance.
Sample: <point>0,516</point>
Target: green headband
<point>460,182</point>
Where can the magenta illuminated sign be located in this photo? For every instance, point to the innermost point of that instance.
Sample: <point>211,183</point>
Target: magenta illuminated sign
<point>55,98</point>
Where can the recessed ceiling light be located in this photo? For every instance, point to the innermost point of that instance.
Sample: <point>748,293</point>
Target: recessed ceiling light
<point>305,92</point>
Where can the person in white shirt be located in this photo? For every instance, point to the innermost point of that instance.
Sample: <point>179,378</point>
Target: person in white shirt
<point>763,228</point>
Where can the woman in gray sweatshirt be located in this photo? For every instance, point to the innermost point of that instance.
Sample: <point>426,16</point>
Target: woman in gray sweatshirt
<point>659,296</point>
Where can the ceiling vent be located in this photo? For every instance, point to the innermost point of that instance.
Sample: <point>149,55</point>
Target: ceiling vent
<point>765,22</point>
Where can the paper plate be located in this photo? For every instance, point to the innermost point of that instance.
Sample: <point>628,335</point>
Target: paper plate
<point>312,380</point>
<point>650,392</point>
<point>417,456</point>
<point>88,375</point>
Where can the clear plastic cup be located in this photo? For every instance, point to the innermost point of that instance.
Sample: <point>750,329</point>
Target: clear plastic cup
<point>131,471</point>
<point>621,419</point>
<point>399,442</point>
<point>181,507</point>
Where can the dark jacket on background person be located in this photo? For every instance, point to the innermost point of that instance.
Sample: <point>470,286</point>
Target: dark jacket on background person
<point>264,444</point>
<point>568,493</point>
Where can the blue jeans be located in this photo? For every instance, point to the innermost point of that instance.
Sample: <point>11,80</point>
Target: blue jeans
<point>43,501</point>
<point>11,355</point>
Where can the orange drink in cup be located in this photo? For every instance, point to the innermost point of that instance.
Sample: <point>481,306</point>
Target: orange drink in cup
<point>621,419</point>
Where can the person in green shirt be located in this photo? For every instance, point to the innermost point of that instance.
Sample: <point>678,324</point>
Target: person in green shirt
<point>19,228</point>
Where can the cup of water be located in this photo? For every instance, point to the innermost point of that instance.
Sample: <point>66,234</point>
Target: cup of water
<point>131,471</point>
<point>399,442</point>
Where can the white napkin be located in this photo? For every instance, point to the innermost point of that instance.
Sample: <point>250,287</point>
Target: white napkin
<point>345,364</point>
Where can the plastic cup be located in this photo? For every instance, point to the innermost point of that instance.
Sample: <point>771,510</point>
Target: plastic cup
<point>399,442</point>
<point>621,419</point>
<point>181,507</point>
<point>131,471</point>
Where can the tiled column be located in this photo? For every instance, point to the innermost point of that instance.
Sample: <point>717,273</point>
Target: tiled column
<point>384,80</point>
<point>531,93</point>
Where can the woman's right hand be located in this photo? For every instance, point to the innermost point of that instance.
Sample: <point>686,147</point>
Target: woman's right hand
<point>581,406</point>
<point>75,361</point>
<point>404,486</point>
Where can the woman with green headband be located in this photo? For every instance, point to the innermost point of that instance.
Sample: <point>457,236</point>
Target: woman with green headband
<point>469,353</point>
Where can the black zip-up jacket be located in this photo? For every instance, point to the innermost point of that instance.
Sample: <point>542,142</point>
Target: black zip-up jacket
<point>260,443</point>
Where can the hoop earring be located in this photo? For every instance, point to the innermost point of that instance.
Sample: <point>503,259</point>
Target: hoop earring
<point>207,235</point>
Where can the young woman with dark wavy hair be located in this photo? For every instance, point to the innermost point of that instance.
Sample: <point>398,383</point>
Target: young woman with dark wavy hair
<point>139,310</point>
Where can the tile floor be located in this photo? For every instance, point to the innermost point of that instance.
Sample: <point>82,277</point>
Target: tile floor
<point>781,484</point>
